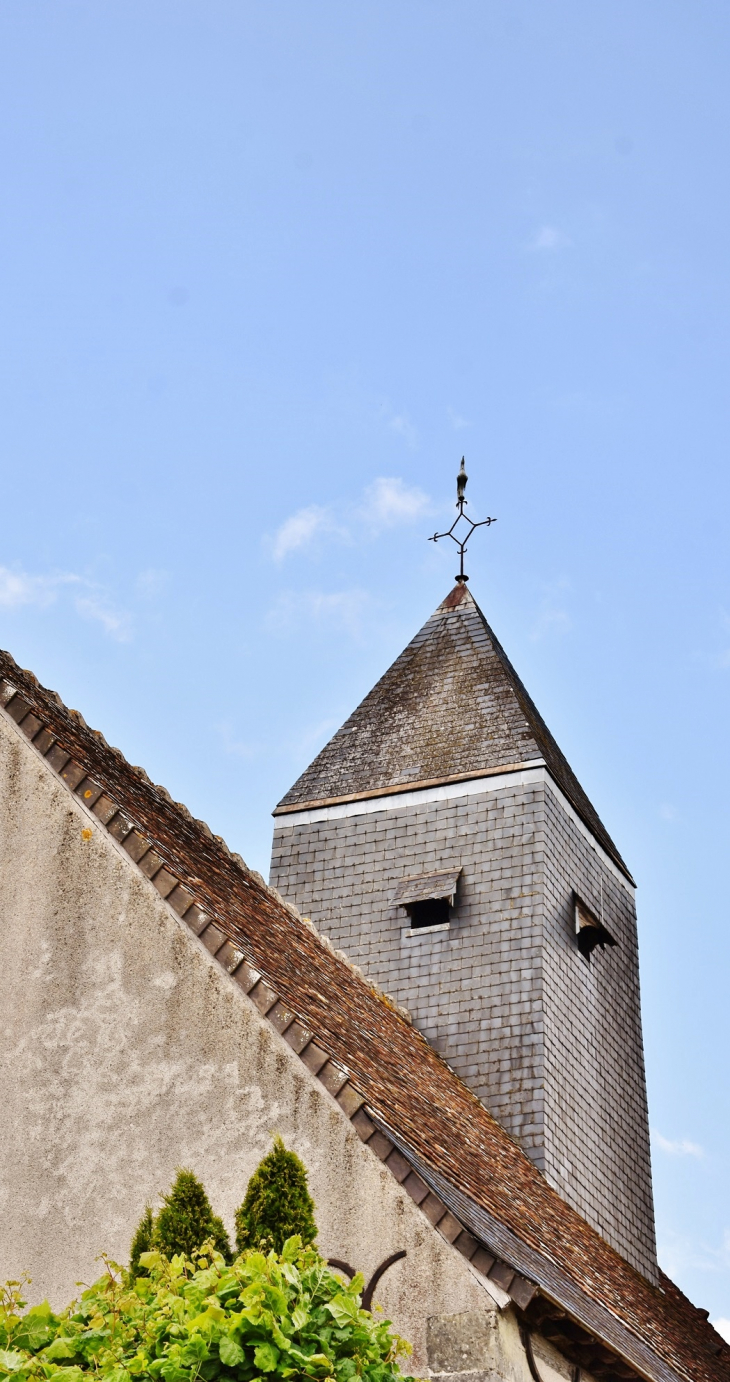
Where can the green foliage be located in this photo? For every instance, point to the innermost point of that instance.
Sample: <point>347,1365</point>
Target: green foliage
<point>143,1241</point>
<point>274,1317</point>
<point>277,1204</point>
<point>186,1220</point>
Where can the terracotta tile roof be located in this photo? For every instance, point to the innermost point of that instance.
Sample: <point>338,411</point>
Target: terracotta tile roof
<point>482,1189</point>
<point>451,705</point>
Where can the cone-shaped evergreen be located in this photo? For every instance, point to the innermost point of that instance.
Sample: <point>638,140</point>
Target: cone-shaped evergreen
<point>186,1220</point>
<point>277,1204</point>
<point>142,1242</point>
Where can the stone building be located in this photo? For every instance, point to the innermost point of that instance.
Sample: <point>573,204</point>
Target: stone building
<point>443,842</point>
<point>484,1126</point>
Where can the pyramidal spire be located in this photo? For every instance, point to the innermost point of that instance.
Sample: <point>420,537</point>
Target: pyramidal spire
<point>450,708</point>
<point>442,841</point>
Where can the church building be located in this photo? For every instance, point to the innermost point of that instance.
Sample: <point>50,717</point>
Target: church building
<point>441,840</point>
<point>435,1001</point>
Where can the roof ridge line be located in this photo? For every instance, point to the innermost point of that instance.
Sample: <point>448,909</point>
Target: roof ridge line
<point>561,769</point>
<point>66,772</point>
<point>404,1164</point>
<point>400,788</point>
<point>503,1240</point>
<point>223,946</point>
<point>449,705</point>
<point>243,969</point>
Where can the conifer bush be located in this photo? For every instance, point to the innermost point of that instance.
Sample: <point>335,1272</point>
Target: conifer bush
<point>142,1241</point>
<point>185,1222</point>
<point>283,1316</point>
<point>278,1204</point>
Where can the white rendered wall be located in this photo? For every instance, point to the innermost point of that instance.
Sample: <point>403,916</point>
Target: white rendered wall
<point>127,1051</point>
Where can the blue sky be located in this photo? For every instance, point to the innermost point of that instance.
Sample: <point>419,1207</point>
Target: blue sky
<point>268,269</point>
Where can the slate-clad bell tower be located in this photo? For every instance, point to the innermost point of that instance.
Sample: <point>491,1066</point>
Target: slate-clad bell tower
<point>442,840</point>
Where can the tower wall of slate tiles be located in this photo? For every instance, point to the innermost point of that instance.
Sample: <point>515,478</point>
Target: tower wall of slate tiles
<point>550,1043</point>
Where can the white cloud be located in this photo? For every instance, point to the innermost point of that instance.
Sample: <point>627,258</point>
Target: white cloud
<point>338,609</point>
<point>549,238</point>
<point>388,502</point>
<point>723,1328</point>
<point>401,423</point>
<point>553,617</point>
<point>18,588</point>
<point>117,623</point>
<point>299,530</point>
<point>678,1255</point>
<point>551,621</point>
<point>238,748</point>
<point>679,1148</point>
<point>318,734</point>
<point>151,583</point>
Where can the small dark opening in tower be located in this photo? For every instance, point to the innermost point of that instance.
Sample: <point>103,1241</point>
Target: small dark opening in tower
<point>589,931</point>
<point>433,912</point>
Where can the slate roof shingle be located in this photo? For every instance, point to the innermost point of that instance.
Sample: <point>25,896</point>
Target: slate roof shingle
<point>450,705</point>
<point>426,1108</point>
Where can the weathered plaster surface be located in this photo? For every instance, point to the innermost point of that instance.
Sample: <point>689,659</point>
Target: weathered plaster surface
<point>463,1348</point>
<point>126,1052</point>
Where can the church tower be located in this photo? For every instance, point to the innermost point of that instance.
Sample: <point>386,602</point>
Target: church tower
<point>442,841</point>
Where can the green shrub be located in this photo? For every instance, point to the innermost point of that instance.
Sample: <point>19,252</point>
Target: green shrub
<point>277,1204</point>
<point>142,1241</point>
<point>287,1316</point>
<point>186,1220</point>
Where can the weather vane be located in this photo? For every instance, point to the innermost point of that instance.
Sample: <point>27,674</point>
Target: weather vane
<point>462,519</point>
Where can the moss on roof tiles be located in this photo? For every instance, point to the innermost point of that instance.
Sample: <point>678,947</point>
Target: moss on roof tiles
<point>451,704</point>
<point>401,1077</point>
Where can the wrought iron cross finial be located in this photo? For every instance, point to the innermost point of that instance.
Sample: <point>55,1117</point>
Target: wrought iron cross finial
<point>462,519</point>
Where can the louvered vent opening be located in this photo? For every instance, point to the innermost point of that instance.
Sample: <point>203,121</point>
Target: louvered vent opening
<point>428,898</point>
<point>590,931</point>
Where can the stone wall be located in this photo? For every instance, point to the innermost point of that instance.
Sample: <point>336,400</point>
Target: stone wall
<point>127,1051</point>
<point>550,1043</point>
